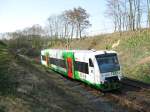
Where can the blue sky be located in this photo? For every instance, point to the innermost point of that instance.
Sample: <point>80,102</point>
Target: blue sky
<point>18,14</point>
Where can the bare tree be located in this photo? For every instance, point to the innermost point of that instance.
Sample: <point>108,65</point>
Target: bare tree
<point>78,20</point>
<point>115,12</point>
<point>69,24</point>
<point>148,12</point>
<point>126,14</point>
<point>70,17</point>
<point>81,20</point>
<point>139,14</point>
<point>131,16</point>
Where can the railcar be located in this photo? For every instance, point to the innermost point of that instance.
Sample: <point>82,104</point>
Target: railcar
<point>100,69</point>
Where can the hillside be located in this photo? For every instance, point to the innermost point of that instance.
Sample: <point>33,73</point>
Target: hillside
<point>133,49</point>
<point>26,86</point>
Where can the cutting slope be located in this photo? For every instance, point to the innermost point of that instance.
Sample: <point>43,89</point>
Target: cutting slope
<point>26,89</point>
<point>132,47</point>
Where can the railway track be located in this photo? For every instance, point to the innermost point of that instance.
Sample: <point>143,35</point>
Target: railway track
<point>125,81</point>
<point>135,83</point>
<point>93,94</point>
<point>121,97</point>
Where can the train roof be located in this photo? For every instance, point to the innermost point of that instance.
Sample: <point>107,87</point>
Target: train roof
<point>92,51</point>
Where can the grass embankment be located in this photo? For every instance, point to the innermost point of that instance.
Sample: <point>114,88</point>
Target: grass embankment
<point>133,49</point>
<point>8,83</point>
<point>24,89</point>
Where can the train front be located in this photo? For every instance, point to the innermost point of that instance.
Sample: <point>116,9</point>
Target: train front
<point>109,67</point>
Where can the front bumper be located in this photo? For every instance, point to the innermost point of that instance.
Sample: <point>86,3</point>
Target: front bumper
<point>111,83</point>
<point>110,86</point>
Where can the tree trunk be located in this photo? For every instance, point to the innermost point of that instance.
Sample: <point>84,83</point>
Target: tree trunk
<point>80,31</point>
<point>148,13</point>
<point>131,24</point>
<point>72,31</point>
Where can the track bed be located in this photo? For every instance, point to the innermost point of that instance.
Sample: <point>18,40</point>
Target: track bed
<point>128,99</point>
<point>65,94</point>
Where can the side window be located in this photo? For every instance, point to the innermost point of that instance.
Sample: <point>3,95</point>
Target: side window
<point>81,67</point>
<point>91,63</point>
<point>57,62</point>
<point>43,58</point>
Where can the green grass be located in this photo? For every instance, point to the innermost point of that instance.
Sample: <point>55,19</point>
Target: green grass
<point>133,49</point>
<point>140,72</point>
<point>7,82</point>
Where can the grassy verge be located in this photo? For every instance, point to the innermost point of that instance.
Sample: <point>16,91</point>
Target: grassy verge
<point>7,81</point>
<point>140,72</point>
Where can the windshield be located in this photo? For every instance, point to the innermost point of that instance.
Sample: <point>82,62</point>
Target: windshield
<point>108,62</point>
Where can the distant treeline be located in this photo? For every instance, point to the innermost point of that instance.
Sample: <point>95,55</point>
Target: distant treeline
<point>128,14</point>
<point>58,28</point>
<point>68,24</point>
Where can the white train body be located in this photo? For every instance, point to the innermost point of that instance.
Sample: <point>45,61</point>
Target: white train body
<point>100,69</point>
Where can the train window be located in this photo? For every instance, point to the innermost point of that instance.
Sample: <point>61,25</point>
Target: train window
<point>62,63</point>
<point>57,62</point>
<point>81,67</point>
<point>91,63</point>
<point>43,58</point>
<point>108,62</point>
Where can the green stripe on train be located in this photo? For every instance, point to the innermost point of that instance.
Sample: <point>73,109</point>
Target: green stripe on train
<point>70,55</point>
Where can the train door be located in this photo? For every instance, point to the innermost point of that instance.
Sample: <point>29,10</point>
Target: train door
<point>91,68</point>
<point>70,67</point>
<point>47,60</point>
<point>69,58</point>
